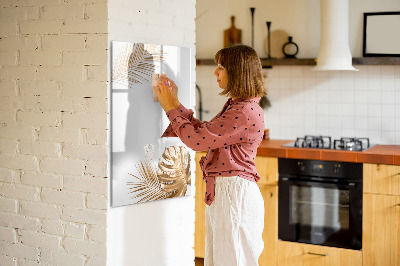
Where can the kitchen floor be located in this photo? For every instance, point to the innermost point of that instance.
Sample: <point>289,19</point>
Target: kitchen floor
<point>198,262</point>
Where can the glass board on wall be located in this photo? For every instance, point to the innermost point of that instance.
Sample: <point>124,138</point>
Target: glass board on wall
<point>144,166</point>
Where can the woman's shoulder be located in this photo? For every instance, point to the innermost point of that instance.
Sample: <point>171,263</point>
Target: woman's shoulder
<point>248,104</point>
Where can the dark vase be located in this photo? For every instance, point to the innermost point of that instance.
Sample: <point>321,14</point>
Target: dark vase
<point>290,49</point>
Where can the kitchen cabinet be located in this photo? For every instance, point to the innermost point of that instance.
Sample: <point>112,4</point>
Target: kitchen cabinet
<point>267,168</point>
<point>200,207</point>
<point>381,215</point>
<point>298,254</point>
<point>381,179</point>
<point>381,221</point>
<point>381,230</point>
<point>270,233</point>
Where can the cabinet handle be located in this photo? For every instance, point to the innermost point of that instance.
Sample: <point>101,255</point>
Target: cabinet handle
<point>398,204</point>
<point>318,254</point>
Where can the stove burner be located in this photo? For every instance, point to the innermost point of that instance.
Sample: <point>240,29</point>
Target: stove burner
<point>351,144</point>
<point>308,141</point>
<point>324,142</point>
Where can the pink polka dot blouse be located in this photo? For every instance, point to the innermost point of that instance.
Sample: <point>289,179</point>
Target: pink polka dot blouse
<point>231,139</point>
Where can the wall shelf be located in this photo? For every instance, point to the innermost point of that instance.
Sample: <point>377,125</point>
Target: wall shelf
<point>376,61</point>
<point>312,61</point>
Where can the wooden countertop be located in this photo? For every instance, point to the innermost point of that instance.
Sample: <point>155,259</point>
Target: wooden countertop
<point>379,154</point>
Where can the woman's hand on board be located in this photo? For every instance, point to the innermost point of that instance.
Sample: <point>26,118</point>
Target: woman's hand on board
<point>174,91</point>
<point>164,94</point>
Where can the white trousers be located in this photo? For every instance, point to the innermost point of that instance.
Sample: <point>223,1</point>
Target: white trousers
<point>234,223</point>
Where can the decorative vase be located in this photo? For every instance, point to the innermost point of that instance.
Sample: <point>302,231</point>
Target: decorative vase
<point>290,49</point>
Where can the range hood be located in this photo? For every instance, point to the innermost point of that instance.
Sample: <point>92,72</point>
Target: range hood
<point>334,51</point>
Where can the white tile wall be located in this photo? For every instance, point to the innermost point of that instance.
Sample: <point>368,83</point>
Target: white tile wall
<point>338,104</point>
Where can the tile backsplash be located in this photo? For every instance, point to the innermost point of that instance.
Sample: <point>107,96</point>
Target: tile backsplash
<point>365,103</point>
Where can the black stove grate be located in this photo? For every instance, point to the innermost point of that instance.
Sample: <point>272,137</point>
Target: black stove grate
<point>320,142</point>
<point>325,142</point>
<point>351,144</point>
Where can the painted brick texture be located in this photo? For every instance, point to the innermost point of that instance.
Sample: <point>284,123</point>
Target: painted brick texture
<point>53,132</point>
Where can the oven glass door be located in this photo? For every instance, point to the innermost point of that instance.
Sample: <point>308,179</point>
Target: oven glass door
<point>322,213</point>
<point>320,207</point>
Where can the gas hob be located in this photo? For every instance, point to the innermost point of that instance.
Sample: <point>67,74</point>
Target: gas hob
<point>325,142</point>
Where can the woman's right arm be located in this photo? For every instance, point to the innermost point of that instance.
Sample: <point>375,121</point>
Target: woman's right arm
<point>183,111</point>
<point>188,114</point>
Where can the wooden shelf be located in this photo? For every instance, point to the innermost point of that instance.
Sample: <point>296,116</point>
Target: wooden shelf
<point>376,61</point>
<point>312,61</point>
<point>268,63</point>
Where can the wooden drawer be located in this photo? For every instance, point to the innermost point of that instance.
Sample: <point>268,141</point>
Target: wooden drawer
<point>381,179</point>
<point>298,254</point>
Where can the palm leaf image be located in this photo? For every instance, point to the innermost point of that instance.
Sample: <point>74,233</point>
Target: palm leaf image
<point>174,171</point>
<point>135,63</point>
<point>148,186</point>
<point>168,181</point>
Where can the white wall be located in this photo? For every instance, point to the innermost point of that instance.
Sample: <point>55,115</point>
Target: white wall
<point>161,232</point>
<point>299,18</point>
<point>338,104</point>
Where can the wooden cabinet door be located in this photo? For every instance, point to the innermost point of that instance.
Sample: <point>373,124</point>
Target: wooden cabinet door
<point>298,254</point>
<point>381,230</point>
<point>381,179</point>
<point>270,233</point>
<point>200,207</point>
<point>267,168</point>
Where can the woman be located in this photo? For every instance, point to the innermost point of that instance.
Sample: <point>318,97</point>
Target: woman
<point>235,207</point>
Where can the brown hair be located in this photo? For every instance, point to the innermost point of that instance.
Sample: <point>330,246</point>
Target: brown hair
<point>245,78</point>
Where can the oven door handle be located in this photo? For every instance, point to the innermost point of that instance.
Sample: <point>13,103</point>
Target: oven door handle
<point>329,184</point>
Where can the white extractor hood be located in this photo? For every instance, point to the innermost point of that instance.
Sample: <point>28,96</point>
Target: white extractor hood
<point>334,52</point>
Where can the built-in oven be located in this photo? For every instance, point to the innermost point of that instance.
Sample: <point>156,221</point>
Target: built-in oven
<point>320,202</point>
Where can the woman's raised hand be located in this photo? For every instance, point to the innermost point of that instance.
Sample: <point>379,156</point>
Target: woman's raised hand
<point>174,90</point>
<point>164,94</point>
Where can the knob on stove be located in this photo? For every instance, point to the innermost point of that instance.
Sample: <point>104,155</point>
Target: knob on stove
<point>301,165</point>
<point>336,169</point>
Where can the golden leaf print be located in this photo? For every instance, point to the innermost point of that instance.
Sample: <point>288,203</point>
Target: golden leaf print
<point>148,188</point>
<point>168,181</point>
<point>174,171</point>
<point>135,63</point>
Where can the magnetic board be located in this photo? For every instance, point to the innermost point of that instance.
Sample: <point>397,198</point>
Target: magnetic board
<point>144,166</point>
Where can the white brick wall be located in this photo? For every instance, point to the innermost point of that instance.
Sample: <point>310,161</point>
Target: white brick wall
<point>53,121</point>
<point>75,230</point>
<point>8,234</point>
<point>61,258</point>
